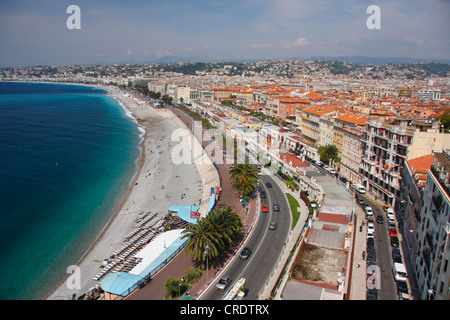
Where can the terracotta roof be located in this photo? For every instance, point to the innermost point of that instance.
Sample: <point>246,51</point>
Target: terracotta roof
<point>421,164</point>
<point>354,118</point>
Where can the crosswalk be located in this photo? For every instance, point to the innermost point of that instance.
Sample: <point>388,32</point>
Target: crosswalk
<point>371,200</point>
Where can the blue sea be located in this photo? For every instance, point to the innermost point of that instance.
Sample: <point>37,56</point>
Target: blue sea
<point>67,155</point>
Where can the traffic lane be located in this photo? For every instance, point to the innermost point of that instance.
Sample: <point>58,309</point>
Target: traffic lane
<point>237,267</point>
<point>265,244</point>
<point>268,251</point>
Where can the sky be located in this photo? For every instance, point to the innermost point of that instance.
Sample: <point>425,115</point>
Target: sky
<point>35,32</point>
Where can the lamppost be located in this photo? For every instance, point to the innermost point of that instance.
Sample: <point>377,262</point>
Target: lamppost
<point>207,254</point>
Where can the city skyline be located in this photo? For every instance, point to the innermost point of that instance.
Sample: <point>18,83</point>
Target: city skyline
<point>144,31</point>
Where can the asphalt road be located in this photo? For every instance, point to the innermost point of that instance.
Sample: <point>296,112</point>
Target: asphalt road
<point>387,289</point>
<point>266,246</point>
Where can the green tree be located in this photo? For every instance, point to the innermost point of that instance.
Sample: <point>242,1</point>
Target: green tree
<point>327,153</point>
<point>445,120</point>
<point>201,236</point>
<point>245,177</point>
<point>216,232</point>
<point>174,287</point>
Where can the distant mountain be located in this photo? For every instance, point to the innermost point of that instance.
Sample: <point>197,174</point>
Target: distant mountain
<point>378,60</point>
<point>353,59</point>
<point>176,59</point>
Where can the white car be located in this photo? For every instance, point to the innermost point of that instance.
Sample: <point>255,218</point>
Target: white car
<point>331,170</point>
<point>369,211</point>
<point>370,227</point>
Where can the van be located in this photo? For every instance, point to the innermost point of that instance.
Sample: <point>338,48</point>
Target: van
<point>399,271</point>
<point>359,188</point>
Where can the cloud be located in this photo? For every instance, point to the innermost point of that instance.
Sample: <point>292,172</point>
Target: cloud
<point>260,46</point>
<point>129,51</point>
<point>163,53</point>
<point>207,45</point>
<point>300,42</point>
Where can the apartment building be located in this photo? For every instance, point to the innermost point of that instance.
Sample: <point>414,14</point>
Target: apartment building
<point>414,178</point>
<point>387,143</point>
<point>311,122</point>
<point>431,265</point>
<point>348,131</point>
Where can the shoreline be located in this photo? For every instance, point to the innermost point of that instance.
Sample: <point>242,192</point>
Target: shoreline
<point>138,198</point>
<point>120,204</point>
<point>156,185</point>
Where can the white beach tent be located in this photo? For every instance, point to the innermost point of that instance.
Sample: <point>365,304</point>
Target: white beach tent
<point>158,250</point>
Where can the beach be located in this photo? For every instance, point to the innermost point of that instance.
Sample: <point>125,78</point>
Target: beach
<point>157,184</point>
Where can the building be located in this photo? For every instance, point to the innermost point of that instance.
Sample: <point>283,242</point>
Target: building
<point>431,265</point>
<point>348,131</point>
<point>414,178</point>
<point>311,122</point>
<point>387,142</point>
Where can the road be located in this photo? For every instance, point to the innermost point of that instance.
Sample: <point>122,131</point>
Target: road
<point>266,246</point>
<point>387,289</point>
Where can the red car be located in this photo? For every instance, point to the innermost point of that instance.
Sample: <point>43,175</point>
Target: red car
<point>393,232</point>
<point>265,208</point>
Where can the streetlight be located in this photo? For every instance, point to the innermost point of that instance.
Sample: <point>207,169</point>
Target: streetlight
<point>207,254</point>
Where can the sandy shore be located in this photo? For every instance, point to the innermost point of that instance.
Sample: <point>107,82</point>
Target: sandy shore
<point>158,184</point>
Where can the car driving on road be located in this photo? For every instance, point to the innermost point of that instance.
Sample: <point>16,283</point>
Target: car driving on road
<point>223,283</point>
<point>245,253</point>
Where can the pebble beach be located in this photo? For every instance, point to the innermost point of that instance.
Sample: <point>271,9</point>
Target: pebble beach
<point>158,184</point>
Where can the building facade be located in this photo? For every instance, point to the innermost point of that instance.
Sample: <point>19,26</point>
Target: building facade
<point>431,265</point>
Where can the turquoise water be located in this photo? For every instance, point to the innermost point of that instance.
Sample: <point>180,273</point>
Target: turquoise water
<point>67,155</point>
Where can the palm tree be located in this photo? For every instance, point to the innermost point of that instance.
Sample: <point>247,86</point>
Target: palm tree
<point>215,232</point>
<point>226,222</point>
<point>245,177</point>
<point>199,237</point>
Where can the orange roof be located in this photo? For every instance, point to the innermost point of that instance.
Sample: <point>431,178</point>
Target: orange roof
<point>421,164</point>
<point>319,110</point>
<point>354,118</point>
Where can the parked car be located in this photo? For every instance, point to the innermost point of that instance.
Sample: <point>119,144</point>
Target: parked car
<point>276,207</point>
<point>272,226</point>
<point>394,242</point>
<point>369,211</point>
<point>402,287</point>
<point>397,256</point>
<point>393,232</point>
<point>265,208</point>
<point>372,294</point>
<point>360,201</point>
<point>245,253</point>
<point>370,242</point>
<point>380,219</point>
<point>223,283</point>
<point>370,228</point>
<point>386,207</point>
